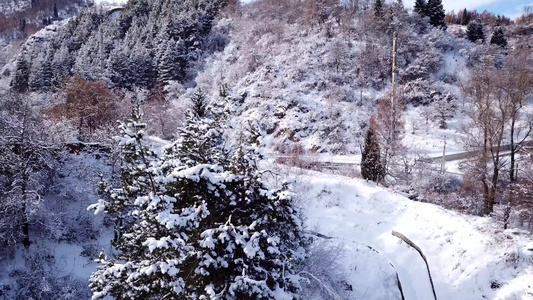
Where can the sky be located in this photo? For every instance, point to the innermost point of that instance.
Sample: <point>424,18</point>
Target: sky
<point>509,8</point>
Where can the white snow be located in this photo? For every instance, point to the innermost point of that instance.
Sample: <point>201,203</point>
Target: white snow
<point>466,255</point>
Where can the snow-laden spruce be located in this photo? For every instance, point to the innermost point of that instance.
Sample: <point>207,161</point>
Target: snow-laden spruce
<point>196,222</point>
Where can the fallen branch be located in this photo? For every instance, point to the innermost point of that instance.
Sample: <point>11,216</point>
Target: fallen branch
<point>399,284</point>
<point>318,234</point>
<point>410,243</point>
<point>325,286</point>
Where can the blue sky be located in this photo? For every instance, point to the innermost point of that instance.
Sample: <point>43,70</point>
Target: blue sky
<point>509,8</point>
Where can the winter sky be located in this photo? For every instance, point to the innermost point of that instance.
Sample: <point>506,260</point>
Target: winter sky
<point>510,8</point>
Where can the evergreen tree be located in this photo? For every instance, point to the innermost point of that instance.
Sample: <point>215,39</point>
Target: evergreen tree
<point>22,26</point>
<point>133,208</point>
<point>138,159</point>
<point>378,8</point>
<point>199,103</point>
<point>56,14</point>
<point>41,72</point>
<point>173,62</point>
<point>420,7</point>
<point>465,18</point>
<point>435,12</point>
<point>499,21</point>
<point>260,228</point>
<point>498,38</point>
<point>144,71</point>
<point>371,165</point>
<point>474,32</point>
<point>200,226</point>
<point>20,82</point>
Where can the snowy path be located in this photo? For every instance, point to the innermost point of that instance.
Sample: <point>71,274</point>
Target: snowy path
<point>466,257</point>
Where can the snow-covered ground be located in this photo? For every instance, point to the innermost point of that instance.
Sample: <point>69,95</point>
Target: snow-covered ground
<point>469,257</point>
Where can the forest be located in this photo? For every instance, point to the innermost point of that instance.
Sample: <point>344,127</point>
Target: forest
<point>272,149</point>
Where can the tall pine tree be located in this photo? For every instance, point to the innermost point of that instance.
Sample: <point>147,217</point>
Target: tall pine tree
<point>435,12</point>
<point>420,7</point>
<point>378,8</point>
<point>498,38</point>
<point>465,17</point>
<point>201,225</point>
<point>371,165</point>
<point>474,32</point>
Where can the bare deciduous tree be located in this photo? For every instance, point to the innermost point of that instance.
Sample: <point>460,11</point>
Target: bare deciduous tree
<point>484,130</point>
<point>25,165</point>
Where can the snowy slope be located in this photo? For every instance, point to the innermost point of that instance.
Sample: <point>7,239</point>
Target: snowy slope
<point>469,257</point>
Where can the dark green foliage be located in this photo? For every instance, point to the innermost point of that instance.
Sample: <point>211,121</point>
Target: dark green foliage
<point>173,62</point>
<point>202,137</point>
<point>22,26</point>
<point>199,103</point>
<point>371,165</point>
<point>465,18</point>
<point>20,82</point>
<point>56,14</point>
<point>474,32</point>
<point>435,12</point>
<point>378,8</point>
<point>420,7</point>
<point>42,72</point>
<point>498,38</point>
<point>144,42</point>
<point>197,223</point>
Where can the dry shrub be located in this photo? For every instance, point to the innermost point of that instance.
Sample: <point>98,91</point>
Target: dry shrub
<point>90,106</point>
<point>159,113</point>
<point>291,155</point>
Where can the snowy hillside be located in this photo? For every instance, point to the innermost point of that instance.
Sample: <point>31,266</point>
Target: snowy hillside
<point>273,150</point>
<point>469,257</point>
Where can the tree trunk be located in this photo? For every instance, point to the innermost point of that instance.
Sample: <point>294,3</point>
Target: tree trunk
<point>486,190</point>
<point>508,207</point>
<point>25,222</point>
<point>512,178</point>
<point>489,205</point>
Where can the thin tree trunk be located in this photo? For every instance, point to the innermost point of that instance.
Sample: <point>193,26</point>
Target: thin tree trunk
<point>508,207</point>
<point>25,222</point>
<point>486,190</point>
<point>512,178</point>
<point>25,178</point>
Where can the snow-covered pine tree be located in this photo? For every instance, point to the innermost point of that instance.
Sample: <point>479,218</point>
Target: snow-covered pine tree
<point>144,69</point>
<point>256,239</point>
<point>444,108</point>
<point>420,7</point>
<point>136,176</point>
<point>464,17</point>
<point>199,103</point>
<point>371,165</point>
<point>41,72</point>
<point>378,8</point>
<point>498,38</point>
<point>474,32</point>
<point>134,208</point>
<point>436,13</point>
<point>172,63</point>
<point>20,82</point>
<point>206,227</point>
